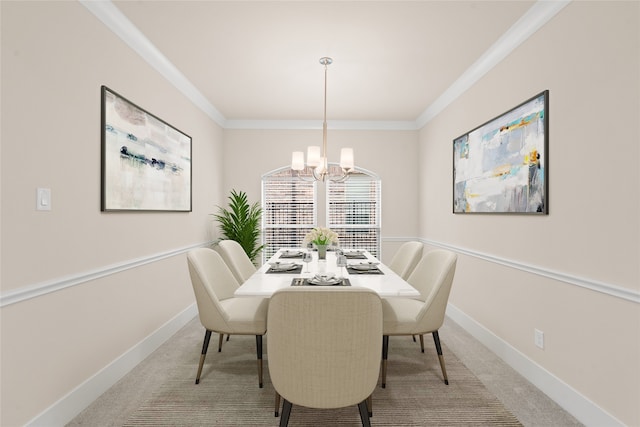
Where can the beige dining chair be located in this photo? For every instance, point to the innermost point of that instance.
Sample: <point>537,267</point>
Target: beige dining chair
<point>324,348</point>
<point>433,277</point>
<point>238,262</point>
<point>406,258</point>
<point>219,311</point>
<point>236,259</point>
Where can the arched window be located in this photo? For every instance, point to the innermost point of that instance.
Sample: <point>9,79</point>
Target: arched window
<point>291,207</point>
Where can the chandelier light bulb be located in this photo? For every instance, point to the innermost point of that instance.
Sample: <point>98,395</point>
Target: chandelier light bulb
<point>313,156</point>
<point>297,160</point>
<point>346,159</point>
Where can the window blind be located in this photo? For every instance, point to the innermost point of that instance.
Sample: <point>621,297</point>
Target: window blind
<point>353,211</point>
<point>289,211</point>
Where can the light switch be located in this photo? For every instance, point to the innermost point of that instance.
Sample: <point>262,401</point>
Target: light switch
<point>43,199</point>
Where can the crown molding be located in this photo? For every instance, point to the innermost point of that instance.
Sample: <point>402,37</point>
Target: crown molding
<point>317,125</point>
<point>117,22</point>
<point>537,16</point>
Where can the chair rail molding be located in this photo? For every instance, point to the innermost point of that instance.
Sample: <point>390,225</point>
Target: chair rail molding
<point>43,288</point>
<point>605,288</point>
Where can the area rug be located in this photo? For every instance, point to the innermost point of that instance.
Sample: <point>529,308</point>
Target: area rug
<point>228,393</point>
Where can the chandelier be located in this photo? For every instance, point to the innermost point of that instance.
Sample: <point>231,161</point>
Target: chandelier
<point>316,159</point>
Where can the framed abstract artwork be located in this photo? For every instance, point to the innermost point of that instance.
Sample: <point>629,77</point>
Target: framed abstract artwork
<point>502,165</point>
<point>146,162</point>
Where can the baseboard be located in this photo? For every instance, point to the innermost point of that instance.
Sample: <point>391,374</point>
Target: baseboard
<point>583,409</point>
<point>587,412</point>
<point>65,409</point>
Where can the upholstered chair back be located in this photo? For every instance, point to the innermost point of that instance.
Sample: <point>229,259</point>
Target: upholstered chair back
<point>236,259</point>
<point>406,259</point>
<point>433,277</point>
<point>212,283</point>
<point>324,345</point>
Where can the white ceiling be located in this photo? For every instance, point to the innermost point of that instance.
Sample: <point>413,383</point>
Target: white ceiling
<point>393,60</point>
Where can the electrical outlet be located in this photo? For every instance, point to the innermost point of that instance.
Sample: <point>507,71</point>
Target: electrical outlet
<point>538,338</point>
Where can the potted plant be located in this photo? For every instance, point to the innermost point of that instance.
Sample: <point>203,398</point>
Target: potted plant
<point>241,222</point>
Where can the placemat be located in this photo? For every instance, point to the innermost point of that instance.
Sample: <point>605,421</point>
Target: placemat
<point>284,256</point>
<point>296,270</point>
<point>372,271</point>
<point>299,281</point>
<point>355,255</point>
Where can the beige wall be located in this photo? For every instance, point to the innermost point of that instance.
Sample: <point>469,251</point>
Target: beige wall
<point>55,57</point>
<point>587,56</point>
<point>389,154</point>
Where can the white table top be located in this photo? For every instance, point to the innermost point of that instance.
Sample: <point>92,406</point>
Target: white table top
<point>388,284</point>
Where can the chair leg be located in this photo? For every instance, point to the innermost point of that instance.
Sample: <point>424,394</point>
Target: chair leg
<point>364,416</point>
<point>422,343</point>
<point>385,352</point>
<point>259,353</point>
<point>414,338</point>
<point>277,403</point>
<point>370,405</point>
<point>228,336</point>
<point>220,342</point>
<point>286,411</point>
<point>436,339</point>
<point>205,345</point>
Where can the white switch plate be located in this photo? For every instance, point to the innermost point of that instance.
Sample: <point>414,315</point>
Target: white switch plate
<point>43,199</point>
<point>538,338</point>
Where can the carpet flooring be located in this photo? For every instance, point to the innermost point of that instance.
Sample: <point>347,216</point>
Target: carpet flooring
<point>228,393</point>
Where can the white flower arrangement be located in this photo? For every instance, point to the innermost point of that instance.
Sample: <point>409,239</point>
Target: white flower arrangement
<point>321,236</point>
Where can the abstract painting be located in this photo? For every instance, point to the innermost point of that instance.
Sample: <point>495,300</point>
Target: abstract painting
<point>146,163</point>
<point>501,166</point>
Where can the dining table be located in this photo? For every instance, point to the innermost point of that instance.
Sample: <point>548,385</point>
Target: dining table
<point>286,268</point>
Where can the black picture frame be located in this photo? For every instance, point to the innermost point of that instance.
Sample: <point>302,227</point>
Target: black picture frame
<point>146,162</point>
<point>501,166</point>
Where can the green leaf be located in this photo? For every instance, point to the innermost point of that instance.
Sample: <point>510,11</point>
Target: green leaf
<point>241,222</point>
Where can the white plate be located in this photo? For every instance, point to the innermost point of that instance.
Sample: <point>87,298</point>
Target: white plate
<point>291,253</point>
<point>355,255</point>
<point>328,281</point>
<point>364,267</point>
<point>283,266</point>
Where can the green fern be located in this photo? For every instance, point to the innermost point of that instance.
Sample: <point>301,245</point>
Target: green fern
<point>241,222</point>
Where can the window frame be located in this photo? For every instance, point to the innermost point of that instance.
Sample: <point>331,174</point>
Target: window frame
<point>376,225</point>
<point>266,225</point>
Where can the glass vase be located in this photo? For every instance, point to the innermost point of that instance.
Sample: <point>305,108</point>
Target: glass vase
<point>322,251</point>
